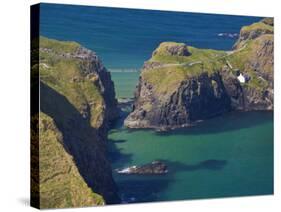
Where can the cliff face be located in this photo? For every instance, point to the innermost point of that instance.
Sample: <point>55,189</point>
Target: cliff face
<point>61,184</point>
<point>181,84</point>
<point>254,59</point>
<point>253,31</point>
<point>77,102</point>
<point>195,98</point>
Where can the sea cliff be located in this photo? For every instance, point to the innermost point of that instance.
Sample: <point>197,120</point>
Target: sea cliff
<point>181,84</point>
<point>77,104</point>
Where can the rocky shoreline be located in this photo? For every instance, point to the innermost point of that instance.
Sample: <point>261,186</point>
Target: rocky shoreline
<point>181,85</point>
<point>77,105</point>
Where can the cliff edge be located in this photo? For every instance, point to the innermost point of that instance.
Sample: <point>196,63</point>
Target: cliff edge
<point>77,103</point>
<point>182,84</point>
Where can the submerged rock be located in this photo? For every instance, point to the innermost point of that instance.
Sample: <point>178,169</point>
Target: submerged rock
<point>155,167</point>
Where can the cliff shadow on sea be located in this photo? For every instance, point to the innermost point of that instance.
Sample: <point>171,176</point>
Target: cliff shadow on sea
<point>139,188</point>
<point>142,188</point>
<point>115,153</point>
<point>232,121</point>
<point>147,188</point>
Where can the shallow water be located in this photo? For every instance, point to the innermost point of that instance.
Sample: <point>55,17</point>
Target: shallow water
<point>231,155</point>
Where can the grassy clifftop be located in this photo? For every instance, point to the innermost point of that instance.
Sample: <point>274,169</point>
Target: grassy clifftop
<point>182,84</point>
<point>172,69</point>
<point>73,167</point>
<point>63,70</point>
<point>255,59</point>
<point>259,26</point>
<point>59,46</point>
<point>167,68</point>
<point>253,31</point>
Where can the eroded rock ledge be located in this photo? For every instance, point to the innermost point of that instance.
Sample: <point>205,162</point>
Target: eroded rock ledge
<point>77,102</point>
<point>177,89</point>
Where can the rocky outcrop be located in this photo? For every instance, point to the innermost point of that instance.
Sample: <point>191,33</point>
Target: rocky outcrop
<point>77,103</point>
<point>268,21</point>
<point>253,31</point>
<point>153,168</point>
<point>196,98</point>
<point>176,90</point>
<point>172,49</point>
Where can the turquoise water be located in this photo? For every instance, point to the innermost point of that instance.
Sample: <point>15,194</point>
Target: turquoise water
<point>231,155</point>
<point>125,83</point>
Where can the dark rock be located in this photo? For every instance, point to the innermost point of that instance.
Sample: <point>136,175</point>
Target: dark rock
<point>178,50</point>
<point>206,94</point>
<point>268,21</point>
<point>253,31</point>
<point>155,167</point>
<point>172,49</point>
<point>197,98</point>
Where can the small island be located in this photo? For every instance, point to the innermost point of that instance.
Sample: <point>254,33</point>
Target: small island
<point>177,128</point>
<point>181,84</point>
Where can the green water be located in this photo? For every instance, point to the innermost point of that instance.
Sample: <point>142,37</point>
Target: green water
<point>125,83</point>
<point>231,155</point>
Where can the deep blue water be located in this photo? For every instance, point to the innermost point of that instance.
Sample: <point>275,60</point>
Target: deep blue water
<point>230,155</point>
<point>125,38</point>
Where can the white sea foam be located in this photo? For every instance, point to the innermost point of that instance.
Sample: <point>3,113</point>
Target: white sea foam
<point>228,35</point>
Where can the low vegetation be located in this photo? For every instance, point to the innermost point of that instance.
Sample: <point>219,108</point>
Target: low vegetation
<point>61,185</point>
<point>65,75</point>
<point>173,69</point>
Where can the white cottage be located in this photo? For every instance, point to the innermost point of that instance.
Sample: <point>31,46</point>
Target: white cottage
<point>241,78</point>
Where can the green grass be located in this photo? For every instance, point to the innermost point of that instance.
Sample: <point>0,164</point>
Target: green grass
<point>65,75</point>
<point>242,60</point>
<point>259,26</point>
<point>174,69</point>
<point>58,46</point>
<point>196,55</point>
<point>252,31</point>
<point>269,21</point>
<point>61,185</point>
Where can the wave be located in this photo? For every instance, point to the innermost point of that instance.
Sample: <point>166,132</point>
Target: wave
<point>228,35</point>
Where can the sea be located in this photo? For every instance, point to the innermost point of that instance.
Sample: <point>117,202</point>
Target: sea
<point>226,156</point>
